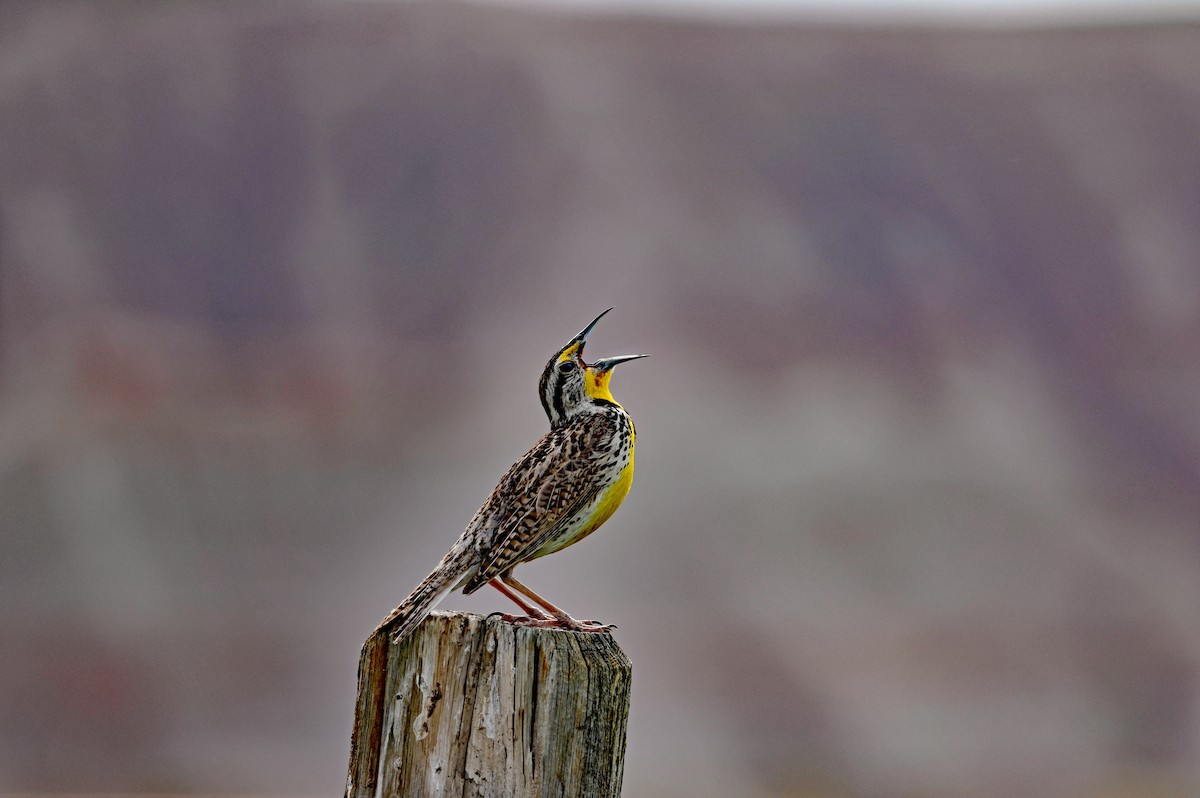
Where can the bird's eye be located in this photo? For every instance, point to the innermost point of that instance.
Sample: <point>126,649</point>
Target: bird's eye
<point>566,366</point>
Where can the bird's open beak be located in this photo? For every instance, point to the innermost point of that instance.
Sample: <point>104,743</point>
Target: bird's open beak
<point>580,340</point>
<point>608,363</point>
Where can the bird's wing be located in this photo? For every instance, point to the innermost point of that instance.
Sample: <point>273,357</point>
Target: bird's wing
<point>541,493</point>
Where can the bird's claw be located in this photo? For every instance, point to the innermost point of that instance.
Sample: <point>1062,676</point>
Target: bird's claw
<point>568,624</point>
<point>595,627</point>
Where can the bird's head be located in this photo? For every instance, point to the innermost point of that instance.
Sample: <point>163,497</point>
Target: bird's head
<point>569,385</point>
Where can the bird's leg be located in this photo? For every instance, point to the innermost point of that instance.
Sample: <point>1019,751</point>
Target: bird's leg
<point>529,610</point>
<point>561,618</point>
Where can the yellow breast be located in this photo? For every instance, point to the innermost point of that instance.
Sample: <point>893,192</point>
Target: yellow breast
<point>611,499</point>
<point>601,509</point>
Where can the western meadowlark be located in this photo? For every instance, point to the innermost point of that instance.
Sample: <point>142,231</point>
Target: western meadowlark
<point>562,490</point>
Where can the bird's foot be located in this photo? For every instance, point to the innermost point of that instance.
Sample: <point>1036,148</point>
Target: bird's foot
<point>570,624</point>
<point>595,627</point>
<point>567,623</point>
<point>533,623</point>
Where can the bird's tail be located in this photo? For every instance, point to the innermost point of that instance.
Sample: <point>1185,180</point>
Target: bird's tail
<point>404,620</point>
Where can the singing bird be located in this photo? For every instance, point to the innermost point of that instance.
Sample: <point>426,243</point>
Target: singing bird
<point>558,493</point>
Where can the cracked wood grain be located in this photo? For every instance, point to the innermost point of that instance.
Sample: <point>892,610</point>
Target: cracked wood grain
<point>477,707</point>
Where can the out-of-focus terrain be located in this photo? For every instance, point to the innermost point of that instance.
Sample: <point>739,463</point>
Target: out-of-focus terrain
<point>917,510</point>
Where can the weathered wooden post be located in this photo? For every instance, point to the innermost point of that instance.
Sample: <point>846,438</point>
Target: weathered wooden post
<point>474,706</point>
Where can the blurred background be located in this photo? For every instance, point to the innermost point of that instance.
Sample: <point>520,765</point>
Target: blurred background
<point>917,511</point>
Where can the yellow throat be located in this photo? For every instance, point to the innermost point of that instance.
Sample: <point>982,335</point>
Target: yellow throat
<point>596,385</point>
